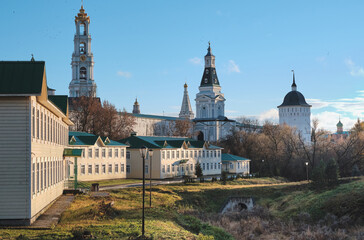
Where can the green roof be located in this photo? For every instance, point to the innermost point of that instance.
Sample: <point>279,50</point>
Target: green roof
<point>61,101</point>
<point>230,157</point>
<point>21,77</point>
<point>68,152</point>
<point>88,139</point>
<point>159,142</point>
<point>80,134</point>
<point>154,116</point>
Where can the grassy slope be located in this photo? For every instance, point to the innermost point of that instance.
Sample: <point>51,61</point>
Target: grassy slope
<point>169,219</point>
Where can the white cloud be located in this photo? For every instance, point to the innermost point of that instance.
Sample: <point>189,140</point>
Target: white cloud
<point>270,115</point>
<point>233,67</point>
<point>355,70</point>
<point>124,74</point>
<point>195,61</point>
<point>328,120</point>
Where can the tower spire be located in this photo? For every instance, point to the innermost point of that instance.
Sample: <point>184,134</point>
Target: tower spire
<point>294,86</point>
<point>186,109</point>
<point>136,107</point>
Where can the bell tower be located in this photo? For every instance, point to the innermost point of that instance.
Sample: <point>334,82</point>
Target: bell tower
<point>83,83</point>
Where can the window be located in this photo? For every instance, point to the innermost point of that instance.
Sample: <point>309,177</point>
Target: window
<point>163,169</point>
<point>116,153</point>
<point>127,168</point>
<point>33,123</point>
<point>168,168</point>
<point>173,154</point>
<point>89,169</point>
<point>116,168</point>
<point>208,166</point>
<point>187,168</point>
<point>203,153</point>
<point>97,168</point>
<point>199,153</point>
<point>33,177</point>
<point>82,48</point>
<point>215,165</point>
<point>38,177</point>
<point>214,153</point>
<point>83,152</point>
<point>127,155</point>
<point>110,168</point>
<point>103,152</point>
<point>122,168</point>
<point>83,73</point>
<point>172,168</point>
<point>205,80</point>
<point>97,153</point>
<point>122,153</point>
<point>203,166</point>
<point>168,155</point>
<point>183,154</point>
<point>83,169</point>
<point>38,124</point>
<point>218,153</point>
<point>163,155</point>
<point>90,153</point>
<point>110,153</point>
<point>177,154</point>
<point>191,166</point>
<point>83,29</point>
<point>41,176</point>
<point>103,168</point>
<point>219,166</point>
<point>41,127</point>
<point>231,166</point>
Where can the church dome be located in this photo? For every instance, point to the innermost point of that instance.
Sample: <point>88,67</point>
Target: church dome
<point>339,124</point>
<point>294,98</point>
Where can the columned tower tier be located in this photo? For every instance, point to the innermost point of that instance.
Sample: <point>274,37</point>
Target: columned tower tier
<point>82,83</point>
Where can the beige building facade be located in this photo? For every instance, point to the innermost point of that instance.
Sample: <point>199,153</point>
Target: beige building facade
<point>235,164</point>
<point>34,134</point>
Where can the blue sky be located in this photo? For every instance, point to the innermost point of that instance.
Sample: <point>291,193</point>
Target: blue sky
<point>148,49</point>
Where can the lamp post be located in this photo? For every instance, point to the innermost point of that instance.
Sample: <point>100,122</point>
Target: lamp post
<point>143,153</point>
<point>262,168</point>
<point>307,170</point>
<point>150,175</point>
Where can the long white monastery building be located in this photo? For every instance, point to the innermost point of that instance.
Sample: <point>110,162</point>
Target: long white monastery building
<point>296,112</point>
<point>33,136</point>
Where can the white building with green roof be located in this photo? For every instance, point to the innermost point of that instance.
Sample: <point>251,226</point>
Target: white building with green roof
<point>235,165</point>
<point>172,157</point>
<point>102,158</point>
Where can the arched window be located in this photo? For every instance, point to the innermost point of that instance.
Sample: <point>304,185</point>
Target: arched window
<point>204,112</point>
<point>82,29</point>
<point>82,48</point>
<point>82,73</point>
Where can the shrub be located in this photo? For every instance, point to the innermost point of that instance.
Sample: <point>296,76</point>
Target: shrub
<point>319,175</point>
<point>223,177</point>
<point>332,172</point>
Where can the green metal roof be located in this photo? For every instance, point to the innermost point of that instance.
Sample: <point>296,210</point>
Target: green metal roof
<point>68,152</point>
<point>61,101</point>
<point>80,134</point>
<point>21,77</point>
<point>230,157</point>
<point>87,139</point>
<point>159,142</point>
<point>154,116</point>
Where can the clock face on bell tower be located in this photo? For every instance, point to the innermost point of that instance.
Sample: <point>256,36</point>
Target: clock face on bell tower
<point>83,58</point>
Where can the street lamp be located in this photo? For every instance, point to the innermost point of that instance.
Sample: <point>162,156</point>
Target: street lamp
<point>150,175</point>
<point>143,153</point>
<point>261,168</point>
<point>307,170</point>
